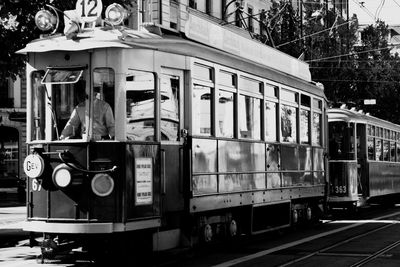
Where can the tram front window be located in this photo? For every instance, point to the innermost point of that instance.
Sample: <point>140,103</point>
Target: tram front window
<point>53,100</point>
<point>60,105</point>
<point>340,141</point>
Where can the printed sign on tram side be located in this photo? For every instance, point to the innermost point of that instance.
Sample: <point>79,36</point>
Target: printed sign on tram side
<point>143,181</point>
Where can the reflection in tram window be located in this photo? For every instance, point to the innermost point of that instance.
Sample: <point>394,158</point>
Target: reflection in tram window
<point>249,117</point>
<point>38,107</point>
<point>392,151</point>
<point>371,149</point>
<point>288,124</point>
<point>225,114</point>
<point>378,150</point>
<point>385,150</point>
<point>202,110</point>
<point>398,152</point>
<point>140,106</point>
<point>304,126</point>
<point>340,143</point>
<point>270,121</point>
<point>104,83</point>
<point>65,98</point>
<point>169,107</point>
<point>316,128</point>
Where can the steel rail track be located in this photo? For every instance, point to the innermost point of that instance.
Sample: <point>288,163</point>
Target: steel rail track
<point>376,254</point>
<point>320,251</point>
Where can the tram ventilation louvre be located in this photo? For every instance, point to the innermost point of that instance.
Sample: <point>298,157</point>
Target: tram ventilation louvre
<point>270,217</point>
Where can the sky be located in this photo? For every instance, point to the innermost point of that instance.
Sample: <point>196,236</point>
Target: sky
<point>386,10</point>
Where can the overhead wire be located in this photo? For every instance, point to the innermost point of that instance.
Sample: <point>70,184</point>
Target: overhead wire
<point>379,9</point>
<point>395,1</point>
<point>365,9</point>
<point>351,54</point>
<point>315,33</point>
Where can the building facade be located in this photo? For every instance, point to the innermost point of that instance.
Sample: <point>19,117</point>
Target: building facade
<point>12,136</point>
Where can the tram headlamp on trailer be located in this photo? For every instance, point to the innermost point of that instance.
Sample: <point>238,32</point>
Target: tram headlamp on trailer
<point>115,14</point>
<point>102,184</point>
<point>62,176</point>
<point>46,21</point>
<point>67,175</point>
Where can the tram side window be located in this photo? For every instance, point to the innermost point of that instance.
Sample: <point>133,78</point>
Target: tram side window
<point>316,128</point>
<point>288,124</point>
<point>38,107</point>
<point>371,152</point>
<point>304,126</point>
<point>340,141</point>
<point>386,150</point>
<point>398,152</point>
<point>305,119</point>
<point>249,117</point>
<point>226,114</point>
<point>140,106</point>
<point>202,96</point>
<point>271,111</point>
<point>169,107</point>
<point>378,149</point>
<point>392,151</point>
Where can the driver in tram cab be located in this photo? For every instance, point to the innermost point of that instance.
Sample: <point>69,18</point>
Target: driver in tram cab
<point>103,120</point>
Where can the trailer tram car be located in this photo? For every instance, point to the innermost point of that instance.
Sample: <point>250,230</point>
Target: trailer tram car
<point>364,159</point>
<point>207,144</point>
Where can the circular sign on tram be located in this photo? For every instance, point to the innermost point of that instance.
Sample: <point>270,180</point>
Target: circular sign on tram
<point>33,165</point>
<point>89,10</point>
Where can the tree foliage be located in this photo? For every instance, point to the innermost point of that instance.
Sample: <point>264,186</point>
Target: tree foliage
<point>350,69</point>
<point>377,76</point>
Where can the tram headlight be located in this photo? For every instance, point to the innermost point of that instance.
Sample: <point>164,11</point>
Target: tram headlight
<point>102,184</point>
<point>62,176</point>
<point>115,14</point>
<point>45,20</point>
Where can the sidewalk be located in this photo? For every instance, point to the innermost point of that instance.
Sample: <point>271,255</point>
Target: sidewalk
<point>12,217</point>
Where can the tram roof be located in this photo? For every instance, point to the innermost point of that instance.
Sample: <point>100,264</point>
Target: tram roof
<point>348,115</point>
<point>112,38</point>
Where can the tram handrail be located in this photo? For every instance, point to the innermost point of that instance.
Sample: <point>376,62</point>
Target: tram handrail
<point>80,169</point>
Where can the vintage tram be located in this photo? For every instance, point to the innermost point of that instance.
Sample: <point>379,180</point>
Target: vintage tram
<point>207,143</point>
<point>364,156</point>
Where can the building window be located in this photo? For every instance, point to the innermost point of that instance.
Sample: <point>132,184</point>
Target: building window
<point>250,19</point>
<point>238,18</point>
<point>174,14</point>
<point>209,7</point>
<point>193,4</point>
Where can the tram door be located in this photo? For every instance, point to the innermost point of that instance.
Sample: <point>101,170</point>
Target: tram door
<point>361,160</point>
<point>171,124</point>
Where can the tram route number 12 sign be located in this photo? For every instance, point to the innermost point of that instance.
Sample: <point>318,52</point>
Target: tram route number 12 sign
<point>89,10</point>
<point>143,181</point>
